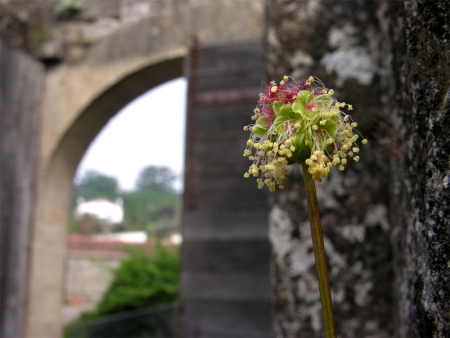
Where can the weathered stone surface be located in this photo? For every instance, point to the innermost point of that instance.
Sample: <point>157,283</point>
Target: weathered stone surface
<point>386,218</point>
<point>340,43</point>
<point>88,279</point>
<point>19,118</point>
<point>106,63</point>
<point>421,78</point>
<point>225,279</point>
<point>389,58</point>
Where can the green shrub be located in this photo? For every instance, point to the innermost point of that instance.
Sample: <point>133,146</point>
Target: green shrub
<point>143,280</point>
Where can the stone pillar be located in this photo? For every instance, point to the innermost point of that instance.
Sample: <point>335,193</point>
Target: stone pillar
<point>340,43</point>
<point>421,95</point>
<point>225,277</point>
<point>385,218</point>
<point>21,87</point>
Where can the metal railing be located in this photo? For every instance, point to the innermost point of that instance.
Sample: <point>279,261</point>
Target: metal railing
<point>158,321</point>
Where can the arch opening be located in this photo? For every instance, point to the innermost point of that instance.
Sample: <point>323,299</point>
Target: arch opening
<point>92,120</point>
<point>149,131</point>
<point>55,185</point>
<point>111,201</point>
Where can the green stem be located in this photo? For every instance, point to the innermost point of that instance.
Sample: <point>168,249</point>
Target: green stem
<point>319,254</point>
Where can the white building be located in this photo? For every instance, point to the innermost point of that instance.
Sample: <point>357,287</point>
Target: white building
<point>105,211</point>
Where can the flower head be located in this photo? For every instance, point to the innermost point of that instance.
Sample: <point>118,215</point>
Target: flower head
<point>299,122</point>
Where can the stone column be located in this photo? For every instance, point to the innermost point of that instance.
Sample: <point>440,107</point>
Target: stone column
<point>341,43</point>
<point>421,95</point>
<point>21,87</point>
<point>385,218</point>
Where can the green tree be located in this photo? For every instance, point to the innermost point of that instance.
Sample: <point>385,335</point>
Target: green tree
<point>141,281</point>
<point>156,178</point>
<point>154,202</point>
<point>95,185</point>
<point>92,185</point>
<point>144,210</point>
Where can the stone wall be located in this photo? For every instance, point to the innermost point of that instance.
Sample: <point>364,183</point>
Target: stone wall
<point>225,279</point>
<point>21,86</point>
<point>89,267</point>
<point>421,114</point>
<point>385,218</point>
<point>61,31</point>
<point>87,280</point>
<point>57,31</point>
<point>19,113</point>
<point>96,64</point>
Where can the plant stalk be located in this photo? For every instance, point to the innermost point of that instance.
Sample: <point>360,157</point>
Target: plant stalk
<point>319,254</point>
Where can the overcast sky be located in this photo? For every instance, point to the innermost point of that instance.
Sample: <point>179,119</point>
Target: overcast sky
<point>143,133</point>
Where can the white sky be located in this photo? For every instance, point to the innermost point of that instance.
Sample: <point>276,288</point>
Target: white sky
<point>142,134</point>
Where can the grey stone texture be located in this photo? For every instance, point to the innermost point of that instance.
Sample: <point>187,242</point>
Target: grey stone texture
<point>88,279</point>
<point>386,218</point>
<point>19,118</point>
<point>225,277</point>
<point>95,66</point>
<point>421,63</point>
<point>57,31</point>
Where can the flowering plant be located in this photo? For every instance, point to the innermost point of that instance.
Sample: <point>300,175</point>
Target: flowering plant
<point>302,123</point>
<point>298,123</point>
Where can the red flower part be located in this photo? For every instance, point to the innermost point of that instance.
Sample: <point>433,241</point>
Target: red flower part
<point>271,95</point>
<point>287,93</point>
<point>266,110</point>
<point>268,114</point>
<point>310,106</point>
<point>304,86</point>
<point>317,92</point>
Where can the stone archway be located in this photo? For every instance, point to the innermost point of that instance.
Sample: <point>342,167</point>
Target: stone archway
<point>80,99</point>
<point>56,183</point>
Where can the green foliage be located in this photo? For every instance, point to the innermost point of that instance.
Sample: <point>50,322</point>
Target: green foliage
<point>96,185</point>
<point>91,186</point>
<point>142,281</point>
<point>67,8</point>
<point>154,203</point>
<point>151,207</point>
<point>152,322</point>
<point>156,178</point>
<point>144,210</point>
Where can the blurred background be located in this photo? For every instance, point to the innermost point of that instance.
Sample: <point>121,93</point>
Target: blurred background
<point>105,183</point>
<point>127,193</point>
<point>124,212</point>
